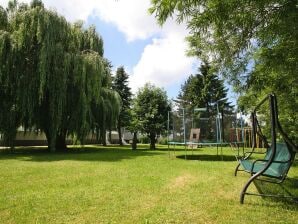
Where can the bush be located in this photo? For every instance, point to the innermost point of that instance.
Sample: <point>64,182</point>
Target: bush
<point>144,139</point>
<point>162,140</point>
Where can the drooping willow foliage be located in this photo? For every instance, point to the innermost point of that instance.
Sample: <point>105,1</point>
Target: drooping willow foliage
<point>53,76</point>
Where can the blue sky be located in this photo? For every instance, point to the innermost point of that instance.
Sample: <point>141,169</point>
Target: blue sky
<point>132,38</point>
<point>121,52</point>
<point>116,47</point>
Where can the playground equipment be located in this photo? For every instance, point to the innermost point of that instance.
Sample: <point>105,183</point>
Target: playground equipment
<point>183,123</point>
<point>244,136</point>
<point>279,156</point>
<point>179,125</point>
<point>241,136</point>
<point>194,137</point>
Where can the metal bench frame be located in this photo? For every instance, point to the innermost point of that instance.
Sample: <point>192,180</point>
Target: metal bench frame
<point>260,174</point>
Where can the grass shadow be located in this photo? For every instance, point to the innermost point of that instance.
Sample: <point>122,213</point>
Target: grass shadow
<point>87,153</point>
<point>198,149</point>
<point>182,150</point>
<point>205,157</point>
<point>289,189</point>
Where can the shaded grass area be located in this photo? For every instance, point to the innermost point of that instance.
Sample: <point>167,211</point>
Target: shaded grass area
<point>113,184</point>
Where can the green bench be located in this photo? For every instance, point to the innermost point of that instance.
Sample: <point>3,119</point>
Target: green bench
<point>278,159</point>
<point>278,168</point>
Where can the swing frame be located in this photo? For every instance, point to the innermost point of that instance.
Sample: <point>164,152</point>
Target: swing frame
<point>278,159</point>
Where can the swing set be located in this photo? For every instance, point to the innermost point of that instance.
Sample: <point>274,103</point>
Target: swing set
<point>278,158</point>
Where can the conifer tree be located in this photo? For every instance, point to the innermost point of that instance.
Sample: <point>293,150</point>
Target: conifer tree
<point>205,90</point>
<point>120,84</point>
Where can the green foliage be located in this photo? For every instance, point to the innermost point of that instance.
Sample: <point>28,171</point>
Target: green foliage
<point>53,75</point>
<point>204,90</point>
<point>150,110</point>
<point>3,19</point>
<point>163,141</point>
<point>120,84</point>
<point>144,139</point>
<point>253,43</point>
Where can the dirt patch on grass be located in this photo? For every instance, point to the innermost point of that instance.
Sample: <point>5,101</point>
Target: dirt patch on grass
<point>181,181</point>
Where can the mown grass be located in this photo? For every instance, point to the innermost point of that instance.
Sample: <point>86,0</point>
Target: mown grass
<point>116,185</point>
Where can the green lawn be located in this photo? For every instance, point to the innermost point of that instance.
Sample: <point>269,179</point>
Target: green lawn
<point>117,185</point>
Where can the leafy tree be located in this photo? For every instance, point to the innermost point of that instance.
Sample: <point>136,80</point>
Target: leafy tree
<point>151,107</point>
<point>253,43</point>
<point>53,74</point>
<point>120,84</point>
<point>135,125</point>
<point>108,108</point>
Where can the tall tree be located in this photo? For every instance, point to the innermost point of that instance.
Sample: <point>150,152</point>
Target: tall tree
<point>151,107</point>
<point>54,73</point>
<point>206,90</point>
<point>120,84</point>
<point>253,43</point>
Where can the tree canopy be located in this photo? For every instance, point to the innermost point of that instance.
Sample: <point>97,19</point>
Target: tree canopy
<point>204,90</point>
<point>151,108</point>
<point>53,76</point>
<point>253,43</point>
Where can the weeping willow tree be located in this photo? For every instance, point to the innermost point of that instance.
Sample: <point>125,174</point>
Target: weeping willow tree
<point>53,76</point>
<point>107,110</point>
<point>10,114</point>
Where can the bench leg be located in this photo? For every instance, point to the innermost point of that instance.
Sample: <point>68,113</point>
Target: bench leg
<point>236,170</point>
<point>243,192</point>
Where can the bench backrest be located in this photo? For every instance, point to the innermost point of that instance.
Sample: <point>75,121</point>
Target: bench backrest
<point>283,154</point>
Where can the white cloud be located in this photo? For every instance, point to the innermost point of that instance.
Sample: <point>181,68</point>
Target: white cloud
<point>163,62</point>
<point>3,3</point>
<point>71,9</point>
<point>131,17</point>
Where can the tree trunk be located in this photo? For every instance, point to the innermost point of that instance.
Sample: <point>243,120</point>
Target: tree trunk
<point>152,137</point>
<point>50,140</point>
<point>103,137</point>
<point>61,142</point>
<point>97,130</point>
<point>120,134</point>
<point>134,141</point>
<point>222,127</point>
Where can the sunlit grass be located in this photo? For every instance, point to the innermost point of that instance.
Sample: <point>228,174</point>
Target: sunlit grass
<point>116,185</point>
